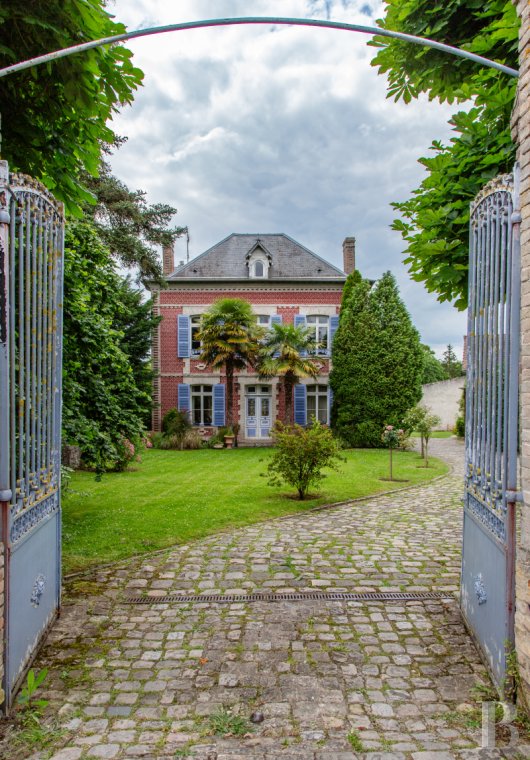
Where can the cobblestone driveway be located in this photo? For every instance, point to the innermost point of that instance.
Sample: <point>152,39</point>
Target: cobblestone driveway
<point>130,681</point>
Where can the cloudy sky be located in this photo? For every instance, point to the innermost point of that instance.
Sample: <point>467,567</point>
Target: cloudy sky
<point>279,129</point>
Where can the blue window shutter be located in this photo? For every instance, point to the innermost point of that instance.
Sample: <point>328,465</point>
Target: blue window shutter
<point>219,391</point>
<point>330,403</point>
<point>183,336</point>
<point>299,321</point>
<point>300,404</point>
<point>333,325</point>
<point>183,397</point>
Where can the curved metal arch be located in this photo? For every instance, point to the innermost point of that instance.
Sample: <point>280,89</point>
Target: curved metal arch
<point>269,20</point>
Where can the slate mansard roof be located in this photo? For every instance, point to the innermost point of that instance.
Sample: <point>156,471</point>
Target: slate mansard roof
<point>227,260</point>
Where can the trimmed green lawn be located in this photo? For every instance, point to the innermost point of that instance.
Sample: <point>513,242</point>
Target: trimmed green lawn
<point>172,497</point>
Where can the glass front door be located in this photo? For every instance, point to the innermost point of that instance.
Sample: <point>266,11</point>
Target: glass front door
<point>258,411</point>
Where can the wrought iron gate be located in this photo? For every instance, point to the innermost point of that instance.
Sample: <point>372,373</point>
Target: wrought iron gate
<point>492,389</point>
<point>31,264</point>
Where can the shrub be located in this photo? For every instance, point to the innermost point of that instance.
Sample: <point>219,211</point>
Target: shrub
<point>460,427</point>
<point>301,454</point>
<point>175,426</point>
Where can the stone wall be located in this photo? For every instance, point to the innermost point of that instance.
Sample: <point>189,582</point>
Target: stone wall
<point>443,399</point>
<point>521,133</point>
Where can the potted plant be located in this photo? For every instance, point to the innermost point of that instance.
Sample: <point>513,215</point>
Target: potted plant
<point>229,438</point>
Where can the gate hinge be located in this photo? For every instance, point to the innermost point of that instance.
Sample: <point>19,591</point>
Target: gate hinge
<point>512,496</point>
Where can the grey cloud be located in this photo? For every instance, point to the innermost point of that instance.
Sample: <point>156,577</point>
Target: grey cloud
<point>276,149</point>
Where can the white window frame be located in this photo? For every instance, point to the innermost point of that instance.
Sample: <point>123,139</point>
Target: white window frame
<point>201,391</point>
<point>321,320</point>
<point>316,391</point>
<point>195,322</point>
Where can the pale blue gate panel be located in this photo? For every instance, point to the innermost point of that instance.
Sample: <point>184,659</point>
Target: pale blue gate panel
<point>31,232</point>
<point>492,388</point>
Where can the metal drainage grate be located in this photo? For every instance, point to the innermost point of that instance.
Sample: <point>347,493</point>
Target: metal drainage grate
<point>370,596</point>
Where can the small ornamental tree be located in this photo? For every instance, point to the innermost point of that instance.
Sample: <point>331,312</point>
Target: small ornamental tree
<point>423,421</point>
<point>392,438</point>
<point>301,455</point>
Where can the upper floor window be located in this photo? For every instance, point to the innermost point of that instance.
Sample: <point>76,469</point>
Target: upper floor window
<point>195,326</point>
<point>317,403</point>
<point>258,269</point>
<point>318,327</point>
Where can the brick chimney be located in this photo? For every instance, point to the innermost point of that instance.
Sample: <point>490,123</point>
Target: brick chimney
<point>348,255</point>
<point>168,259</point>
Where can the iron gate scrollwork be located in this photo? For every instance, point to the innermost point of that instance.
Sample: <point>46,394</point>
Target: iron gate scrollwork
<point>492,392</point>
<point>31,266</point>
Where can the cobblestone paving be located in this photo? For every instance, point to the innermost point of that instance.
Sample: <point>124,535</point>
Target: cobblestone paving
<point>334,680</point>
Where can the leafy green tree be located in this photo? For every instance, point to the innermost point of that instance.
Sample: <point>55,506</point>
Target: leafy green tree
<point>423,421</point>
<point>127,224</point>
<point>284,355</point>
<point>55,116</point>
<point>435,219</point>
<point>229,339</point>
<point>433,371</point>
<point>377,363</point>
<point>452,366</point>
<point>301,454</point>
<point>103,405</point>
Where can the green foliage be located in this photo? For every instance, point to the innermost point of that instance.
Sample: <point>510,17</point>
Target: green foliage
<point>55,116</point>
<point>229,338</point>
<point>377,363</point>
<point>435,219</point>
<point>460,425</point>
<point>301,454</point>
<point>355,742</point>
<point>284,354</point>
<point>26,698</point>
<point>223,722</point>
<point>433,371</point>
<point>452,366</point>
<point>103,406</point>
<point>176,424</point>
<point>424,422</point>
<point>127,224</point>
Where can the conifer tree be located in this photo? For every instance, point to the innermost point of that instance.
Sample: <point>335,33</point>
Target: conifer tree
<point>377,363</point>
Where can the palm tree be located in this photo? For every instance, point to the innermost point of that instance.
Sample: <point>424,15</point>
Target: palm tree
<point>229,338</point>
<point>284,354</point>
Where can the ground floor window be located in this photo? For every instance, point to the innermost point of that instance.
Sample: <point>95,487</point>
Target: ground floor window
<point>317,403</point>
<point>202,404</point>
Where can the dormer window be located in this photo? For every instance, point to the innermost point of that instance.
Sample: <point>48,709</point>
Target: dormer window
<point>259,261</point>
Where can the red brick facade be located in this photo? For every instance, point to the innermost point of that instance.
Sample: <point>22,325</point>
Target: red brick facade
<point>191,298</point>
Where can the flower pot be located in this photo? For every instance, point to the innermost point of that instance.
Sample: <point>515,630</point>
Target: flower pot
<point>229,441</point>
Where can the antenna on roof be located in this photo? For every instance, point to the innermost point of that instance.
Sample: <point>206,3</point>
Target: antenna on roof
<point>187,245</point>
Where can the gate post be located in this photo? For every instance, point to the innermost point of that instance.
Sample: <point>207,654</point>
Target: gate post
<point>521,135</point>
<point>5,492</point>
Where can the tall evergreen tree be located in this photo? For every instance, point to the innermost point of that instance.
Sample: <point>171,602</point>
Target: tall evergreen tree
<point>377,363</point>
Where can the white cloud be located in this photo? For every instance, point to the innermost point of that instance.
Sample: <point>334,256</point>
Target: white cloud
<point>279,129</point>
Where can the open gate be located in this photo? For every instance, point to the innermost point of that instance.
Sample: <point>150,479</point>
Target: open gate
<point>492,397</point>
<point>31,272</point>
